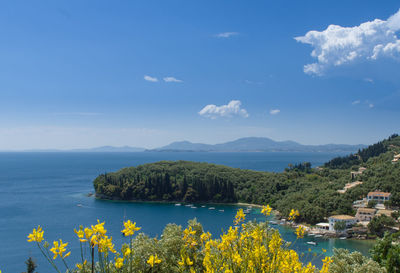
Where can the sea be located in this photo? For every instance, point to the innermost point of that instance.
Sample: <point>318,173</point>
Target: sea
<point>51,190</point>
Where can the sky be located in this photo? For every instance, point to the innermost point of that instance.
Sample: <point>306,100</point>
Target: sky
<point>79,74</point>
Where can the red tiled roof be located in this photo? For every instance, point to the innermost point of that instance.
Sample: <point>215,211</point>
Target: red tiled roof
<point>379,193</point>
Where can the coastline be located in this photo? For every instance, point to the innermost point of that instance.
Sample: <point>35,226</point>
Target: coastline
<point>239,204</point>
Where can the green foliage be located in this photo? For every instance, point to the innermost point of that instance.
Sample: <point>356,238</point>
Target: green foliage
<point>340,226</point>
<point>355,262</point>
<point>372,203</point>
<point>387,252</point>
<point>363,155</point>
<point>378,225</point>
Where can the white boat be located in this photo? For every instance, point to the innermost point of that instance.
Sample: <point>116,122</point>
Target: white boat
<point>178,205</point>
<point>193,207</point>
<point>273,222</point>
<point>312,243</point>
<point>203,206</point>
<point>189,205</point>
<point>343,238</point>
<point>221,210</point>
<point>211,208</point>
<point>318,235</point>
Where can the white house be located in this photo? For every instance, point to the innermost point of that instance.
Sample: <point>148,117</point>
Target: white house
<point>349,220</point>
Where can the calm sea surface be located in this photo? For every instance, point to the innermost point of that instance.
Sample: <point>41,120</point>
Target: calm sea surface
<point>50,189</point>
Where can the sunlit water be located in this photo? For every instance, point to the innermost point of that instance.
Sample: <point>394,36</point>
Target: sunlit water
<point>51,189</point>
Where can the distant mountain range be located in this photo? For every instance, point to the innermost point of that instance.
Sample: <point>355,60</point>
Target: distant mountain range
<point>247,144</point>
<point>102,149</point>
<point>256,144</point>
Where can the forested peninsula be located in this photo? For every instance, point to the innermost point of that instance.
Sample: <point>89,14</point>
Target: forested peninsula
<point>313,191</point>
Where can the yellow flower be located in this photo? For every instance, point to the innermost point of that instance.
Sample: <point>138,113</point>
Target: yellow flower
<point>127,252</point>
<point>99,228</point>
<point>80,266</point>
<point>184,261</point>
<point>81,234</point>
<point>130,228</point>
<point>300,230</point>
<point>205,236</point>
<point>293,214</point>
<point>119,262</point>
<point>326,262</point>
<point>239,216</point>
<point>105,244</point>
<point>58,249</point>
<point>266,210</point>
<point>324,250</point>
<point>153,260</point>
<point>88,233</point>
<point>36,235</point>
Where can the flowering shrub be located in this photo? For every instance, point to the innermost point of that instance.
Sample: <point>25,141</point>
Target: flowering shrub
<point>245,247</point>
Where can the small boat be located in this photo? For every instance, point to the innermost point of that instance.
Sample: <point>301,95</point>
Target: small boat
<point>343,238</point>
<point>203,206</point>
<point>193,207</point>
<point>79,205</point>
<point>211,208</point>
<point>221,210</point>
<point>312,243</point>
<point>178,205</point>
<point>189,205</point>
<point>273,222</point>
<point>318,235</point>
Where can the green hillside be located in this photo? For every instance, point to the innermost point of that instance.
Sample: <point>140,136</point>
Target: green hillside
<point>313,191</point>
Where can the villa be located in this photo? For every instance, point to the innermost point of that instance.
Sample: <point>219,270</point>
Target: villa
<point>365,214</point>
<point>378,196</point>
<point>349,220</point>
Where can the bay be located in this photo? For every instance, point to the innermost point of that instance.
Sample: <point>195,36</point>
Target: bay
<point>50,189</point>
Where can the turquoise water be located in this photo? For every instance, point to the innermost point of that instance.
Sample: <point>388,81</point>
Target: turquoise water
<point>46,189</point>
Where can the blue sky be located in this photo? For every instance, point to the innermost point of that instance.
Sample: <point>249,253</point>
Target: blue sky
<point>77,74</point>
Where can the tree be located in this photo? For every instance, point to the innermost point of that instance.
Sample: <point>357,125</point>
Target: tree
<point>380,224</point>
<point>372,204</point>
<point>339,226</point>
<point>345,262</point>
<point>387,253</point>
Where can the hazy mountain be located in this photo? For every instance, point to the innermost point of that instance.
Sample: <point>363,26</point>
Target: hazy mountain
<point>103,149</point>
<point>257,144</point>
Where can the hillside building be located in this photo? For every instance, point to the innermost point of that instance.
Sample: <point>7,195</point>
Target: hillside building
<point>349,221</point>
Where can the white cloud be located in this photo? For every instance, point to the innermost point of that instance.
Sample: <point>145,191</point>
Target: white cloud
<point>150,79</point>
<point>356,102</point>
<point>337,45</point>
<point>231,109</point>
<point>171,79</point>
<point>274,111</point>
<point>226,34</point>
<point>369,80</point>
<point>371,105</point>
